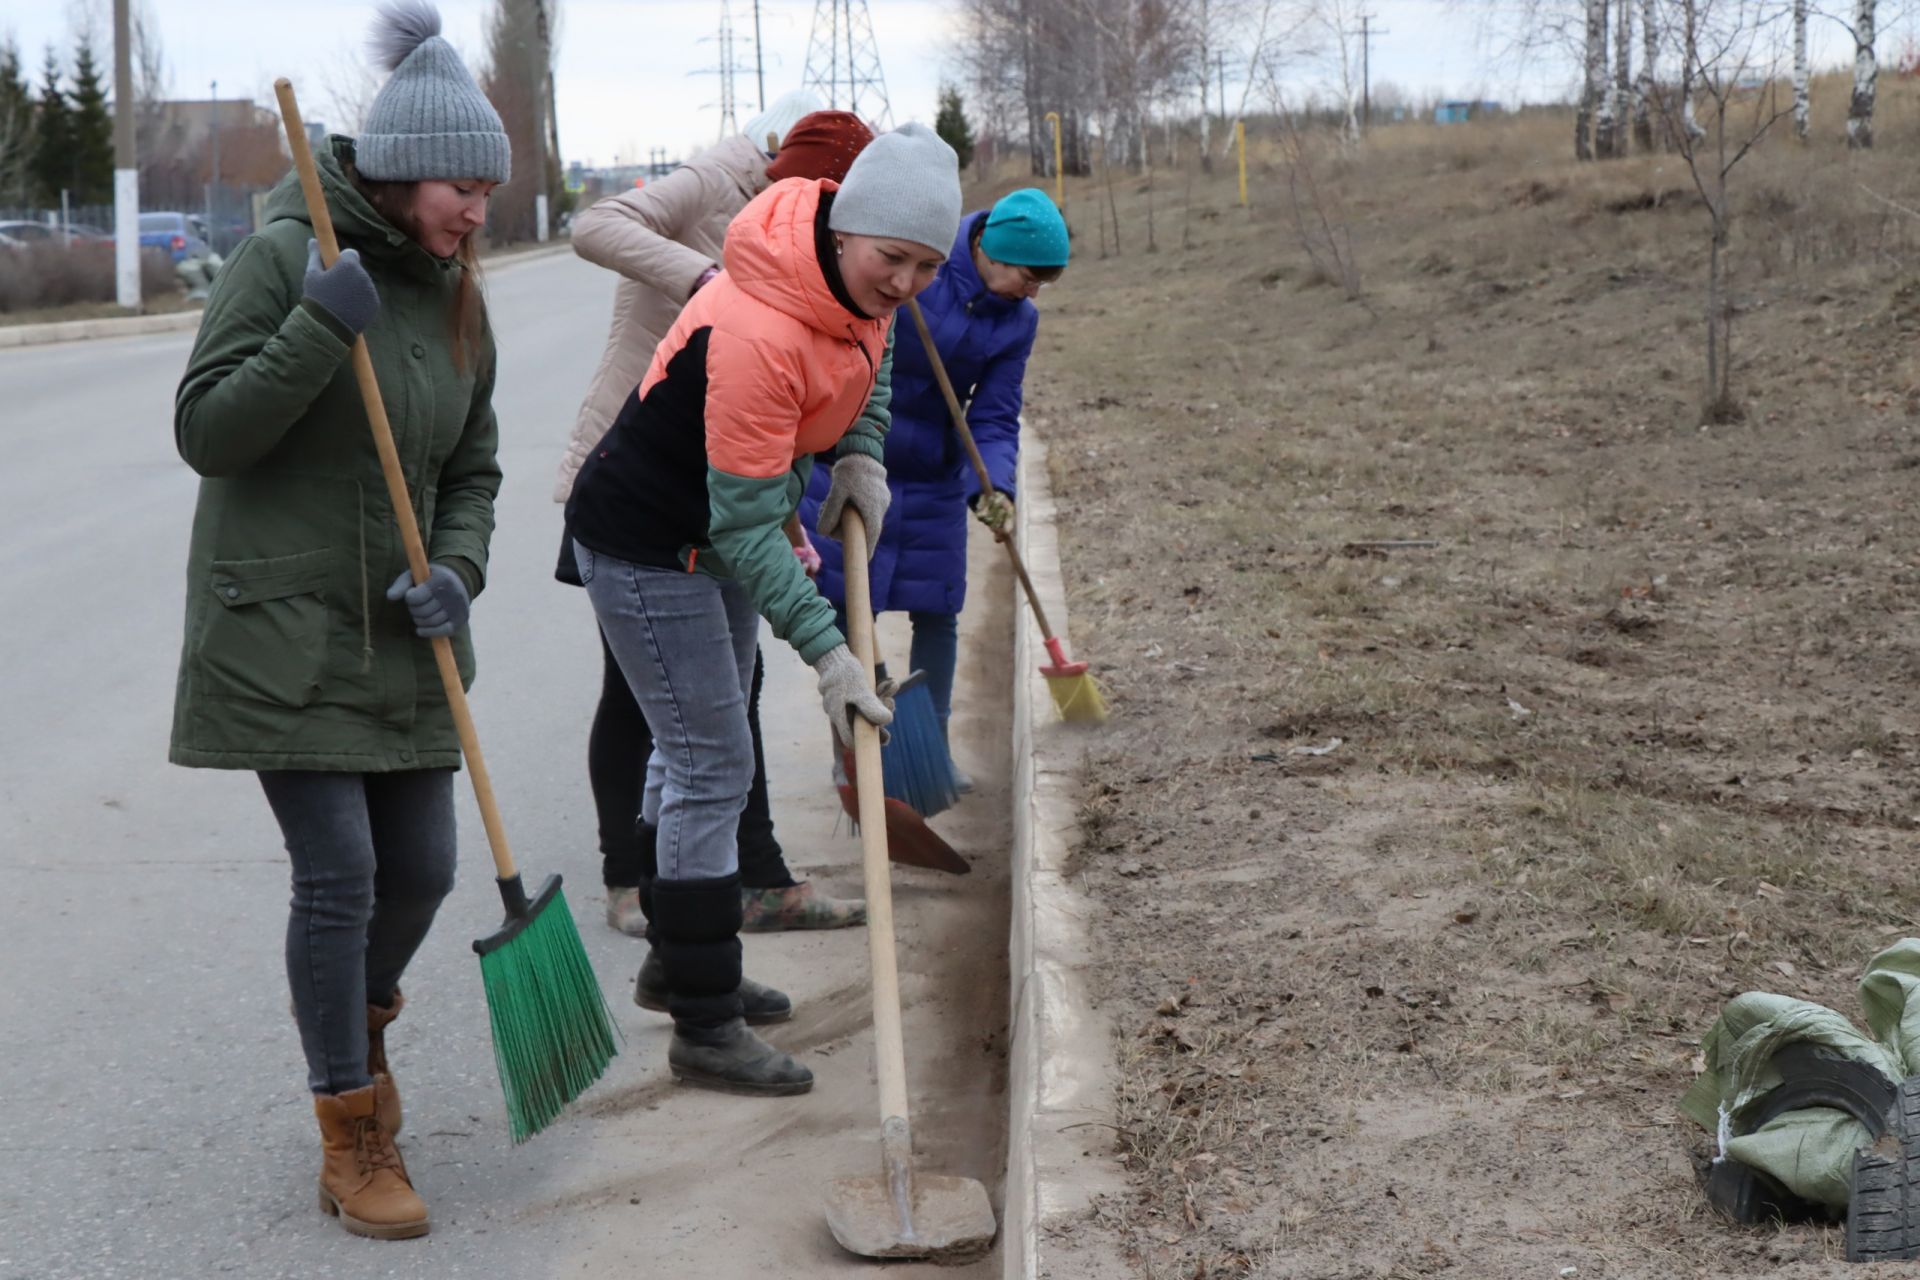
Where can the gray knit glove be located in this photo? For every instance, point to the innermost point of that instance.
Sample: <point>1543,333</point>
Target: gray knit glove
<point>439,605</point>
<point>344,289</point>
<point>844,690</point>
<point>860,480</point>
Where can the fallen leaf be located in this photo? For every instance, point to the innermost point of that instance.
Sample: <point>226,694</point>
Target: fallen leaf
<point>1786,967</point>
<point>1766,890</point>
<point>1465,917</point>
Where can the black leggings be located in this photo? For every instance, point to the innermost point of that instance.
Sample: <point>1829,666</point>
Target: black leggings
<point>617,751</point>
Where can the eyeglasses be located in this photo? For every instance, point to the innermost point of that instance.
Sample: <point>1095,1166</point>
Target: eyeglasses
<point>1032,277</point>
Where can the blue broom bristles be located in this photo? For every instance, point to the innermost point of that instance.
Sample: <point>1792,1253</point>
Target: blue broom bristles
<point>915,765</point>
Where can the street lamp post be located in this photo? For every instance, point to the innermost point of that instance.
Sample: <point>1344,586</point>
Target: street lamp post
<point>126,171</point>
<point>213,184</point>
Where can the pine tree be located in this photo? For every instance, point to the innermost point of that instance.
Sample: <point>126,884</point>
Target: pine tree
<point>92,129</point>
<point>16,128</point>
<point>52,163</point>
<point>951,124</point>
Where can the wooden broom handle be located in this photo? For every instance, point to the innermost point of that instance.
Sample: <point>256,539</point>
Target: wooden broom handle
<point>979,463</point>
<point>889,1040</point>
<point>396,484</point>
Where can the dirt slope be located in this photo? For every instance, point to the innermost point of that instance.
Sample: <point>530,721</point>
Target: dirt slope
<point>1637,734</point>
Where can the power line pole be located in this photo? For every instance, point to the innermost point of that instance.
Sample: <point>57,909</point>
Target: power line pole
<point>213,176</point>
<point>537,87</point>
<point>1367,32</point>
<point>865,84</point>
<point>759,63</point>
<point>126,167</point>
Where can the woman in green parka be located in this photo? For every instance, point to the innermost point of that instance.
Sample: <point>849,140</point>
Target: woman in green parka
<point>302,659</point>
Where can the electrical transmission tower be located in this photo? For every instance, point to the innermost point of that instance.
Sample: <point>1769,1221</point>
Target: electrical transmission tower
<point>843,61</point>
<point>729,115</point>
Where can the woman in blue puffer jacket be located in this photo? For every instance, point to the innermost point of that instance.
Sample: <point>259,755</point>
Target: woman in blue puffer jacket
<point>981,314</point>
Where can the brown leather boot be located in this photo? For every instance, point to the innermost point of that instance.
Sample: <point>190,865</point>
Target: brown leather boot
<point>363,1181</point>
<point>377,1021</point>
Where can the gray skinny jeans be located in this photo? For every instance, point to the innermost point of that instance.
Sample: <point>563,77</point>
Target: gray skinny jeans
<point>685,642</point>
<point>373,856</point>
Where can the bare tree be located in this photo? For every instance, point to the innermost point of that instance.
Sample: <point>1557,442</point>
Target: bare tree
<point>1592,127</point>
<point>1101,66</point>
<point>348,84</point>
<point>1643,85</point>
<point>1622,73</point>
<point>1801,104</point>
<point>1865,75</point>
<point>1726,38</point>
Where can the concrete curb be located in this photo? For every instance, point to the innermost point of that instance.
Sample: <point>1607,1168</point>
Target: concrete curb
<point>34,335</point>
<point>1060,1053</point>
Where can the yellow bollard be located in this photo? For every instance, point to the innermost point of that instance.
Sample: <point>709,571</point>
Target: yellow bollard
<point>1059,169</point>
<point>1240,139</point>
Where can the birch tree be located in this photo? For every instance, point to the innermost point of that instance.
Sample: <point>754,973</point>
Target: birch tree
<point>1643,85</point>
<point>1801,104</point>
<point>1622,73</point>
<point>1593,122</point>
<point>1865,75</point>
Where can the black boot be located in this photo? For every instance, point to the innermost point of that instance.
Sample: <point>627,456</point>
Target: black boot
<point>696,924</point>
<point>759,1004</point>
<point>731,1059</point>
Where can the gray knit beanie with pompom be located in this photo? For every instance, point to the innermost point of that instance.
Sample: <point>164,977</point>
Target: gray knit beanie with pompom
<point>430,119</point>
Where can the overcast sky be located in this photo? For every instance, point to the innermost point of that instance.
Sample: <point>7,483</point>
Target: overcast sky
<point>628,76</point>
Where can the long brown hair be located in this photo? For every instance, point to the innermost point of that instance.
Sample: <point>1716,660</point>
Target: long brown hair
<point>467,321</point>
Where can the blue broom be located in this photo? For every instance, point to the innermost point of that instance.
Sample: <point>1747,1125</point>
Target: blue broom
<point>915,765</point>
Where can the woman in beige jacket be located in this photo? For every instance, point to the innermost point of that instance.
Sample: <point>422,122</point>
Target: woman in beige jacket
<point>664,240</point>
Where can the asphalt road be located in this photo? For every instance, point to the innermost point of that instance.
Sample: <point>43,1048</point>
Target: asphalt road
<point>156,1119</point>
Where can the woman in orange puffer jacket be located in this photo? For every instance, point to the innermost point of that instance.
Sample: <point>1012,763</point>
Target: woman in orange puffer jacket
<point>678,520</point>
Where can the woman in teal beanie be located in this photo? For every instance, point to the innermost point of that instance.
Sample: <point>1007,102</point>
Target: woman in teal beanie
<point>981,314</point>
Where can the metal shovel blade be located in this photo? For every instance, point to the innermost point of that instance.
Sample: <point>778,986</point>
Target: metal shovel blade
<point>948,1219</point>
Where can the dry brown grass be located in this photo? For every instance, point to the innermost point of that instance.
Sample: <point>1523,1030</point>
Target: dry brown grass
<point>1637,735</point>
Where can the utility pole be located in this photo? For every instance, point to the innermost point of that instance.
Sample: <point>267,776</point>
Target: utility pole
<point>1367,32</point>
<point>537,85</point>
<point>213,177</point>
<point>126,168</point>
<point>1223,88</point>
<point>759,63</point>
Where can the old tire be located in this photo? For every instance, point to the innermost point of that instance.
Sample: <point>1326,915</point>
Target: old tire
<point>1883,1206</point>
<point>1810,1076</point>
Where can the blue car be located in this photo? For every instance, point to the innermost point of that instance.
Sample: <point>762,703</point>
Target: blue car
<point>181,235</point>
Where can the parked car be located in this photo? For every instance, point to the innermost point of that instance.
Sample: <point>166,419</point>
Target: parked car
<point>19,233</point>
<point>182,235</point>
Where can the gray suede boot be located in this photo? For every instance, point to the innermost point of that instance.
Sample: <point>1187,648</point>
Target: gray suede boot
<point>732,1059</point>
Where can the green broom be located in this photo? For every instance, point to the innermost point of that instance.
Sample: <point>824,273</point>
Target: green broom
<point>552,1033</point>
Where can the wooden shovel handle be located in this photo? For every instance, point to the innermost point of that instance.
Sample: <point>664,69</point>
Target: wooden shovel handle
<point>396,483</point>
<point>889,1040</point>
<point>979,463</point>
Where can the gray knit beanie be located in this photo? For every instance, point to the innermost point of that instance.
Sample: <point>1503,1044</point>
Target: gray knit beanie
<point>430,119</point>
<point>906,186</point>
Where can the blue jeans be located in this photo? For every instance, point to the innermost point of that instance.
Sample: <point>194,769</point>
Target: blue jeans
<point>935,650</point>
<point>686,644</point>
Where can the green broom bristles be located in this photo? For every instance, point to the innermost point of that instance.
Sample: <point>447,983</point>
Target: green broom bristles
<point>552,1032</point>
<point>1077,698</point>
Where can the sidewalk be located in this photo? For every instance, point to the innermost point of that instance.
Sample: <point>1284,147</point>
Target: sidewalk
<point>34,335</point>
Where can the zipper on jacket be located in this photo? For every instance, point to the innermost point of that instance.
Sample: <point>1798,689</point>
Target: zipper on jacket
<point>873,377</point>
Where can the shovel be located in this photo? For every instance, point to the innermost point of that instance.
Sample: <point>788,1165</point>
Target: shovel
<point>898,1213</point>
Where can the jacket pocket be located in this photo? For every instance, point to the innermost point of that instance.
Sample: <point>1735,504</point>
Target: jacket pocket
<point>268,639</point>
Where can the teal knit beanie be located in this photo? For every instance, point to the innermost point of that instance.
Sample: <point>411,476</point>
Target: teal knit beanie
<point>1025,230</point>
<point>430,120</point>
